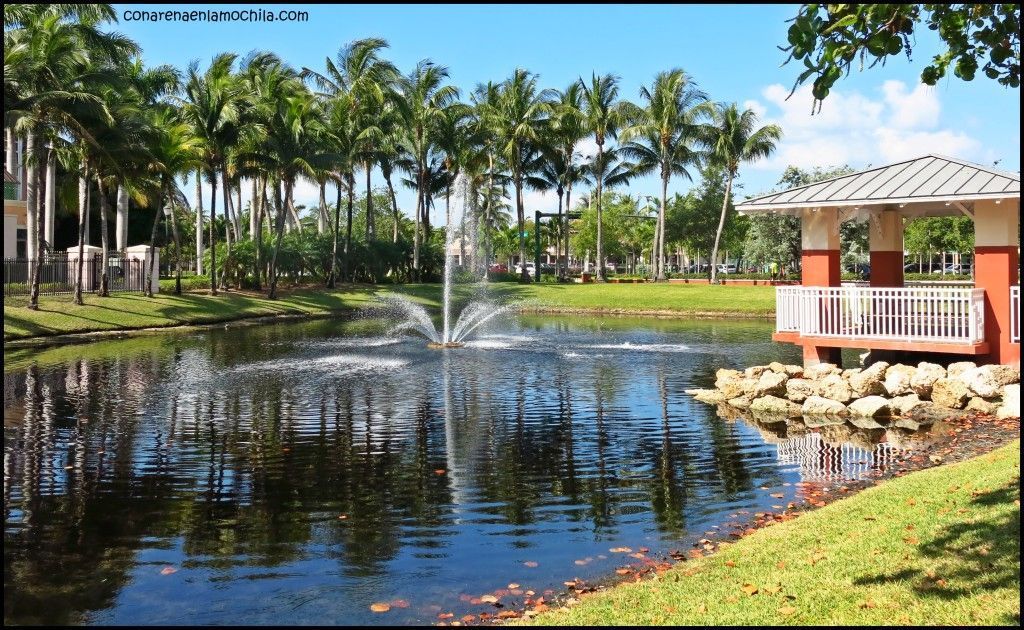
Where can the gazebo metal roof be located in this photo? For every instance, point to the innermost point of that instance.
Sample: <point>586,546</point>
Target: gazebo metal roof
<point>926,185</point>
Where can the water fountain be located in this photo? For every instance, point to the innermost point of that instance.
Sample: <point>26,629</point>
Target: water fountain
<point>476,313</point>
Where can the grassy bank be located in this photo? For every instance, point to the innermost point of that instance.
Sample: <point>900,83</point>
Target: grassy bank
<point>124,311</point>
<point>937,547</point>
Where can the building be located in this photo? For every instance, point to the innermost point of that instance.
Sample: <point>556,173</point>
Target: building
<point>981,322</point>
<point>15,218</point>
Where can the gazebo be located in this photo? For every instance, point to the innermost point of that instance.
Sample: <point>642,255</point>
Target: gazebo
<point>823,316</point>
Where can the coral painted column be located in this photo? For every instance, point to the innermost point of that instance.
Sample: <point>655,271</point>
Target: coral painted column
<point>885,237</point>
<point>996,269</point>
<point>819,240</point>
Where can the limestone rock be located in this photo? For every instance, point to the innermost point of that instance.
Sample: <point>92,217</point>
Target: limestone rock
<point>903,404</point>
<point>956,369</point>
<point>850,372</point>
<point>724,375</point>
<point>925,377</point>
<point>834,387</point>
<point>819,406</point>
<point>735,387</point>
<point>775,405</point>
<point>870,407</point>
<point>820,370</point>
<point>740,402</point>
<point>950,392</point>
<point>755,371</point>
<point>981,405</point>
<point>867,424</point>
<point>792,371</point>
<point>798,389</point>
<point>711,396</point>
<point>988,380</point>
<point>771,384</point>
<point>869,381</point>
<point>821,420</point>
<point>908,424</point>
<point>898,378</point>
<point>1011,402</point>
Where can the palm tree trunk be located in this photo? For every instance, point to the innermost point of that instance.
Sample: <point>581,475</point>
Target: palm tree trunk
<point>147,279</point>
<point>83,210</point>
<point>348,225</point>
<point>394,207</point>
<point>238,212</point>
<point>602,274</point>
<point>35,210</point>
<point>321,219</point>
<point>121,222</point>
<point>31,202</point>
<point>416,233</point>
<point>278,235</point>
<point>660,244</point>
<point>371,227</point>
<point>199,222</point>
<point>721,225</point>
<point>565,226</point>
<point>177,249</point>
<point>104,245</point>
<point>254,214</point>
<point>226,191</point>
<point>213,232</point>
<point>332,280</point>
<point>524,276</point>
<point>558,239</point>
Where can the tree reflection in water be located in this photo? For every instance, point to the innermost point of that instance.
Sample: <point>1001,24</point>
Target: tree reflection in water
<point>292,474</point>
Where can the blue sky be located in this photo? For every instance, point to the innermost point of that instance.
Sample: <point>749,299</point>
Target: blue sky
<point>872,117</point>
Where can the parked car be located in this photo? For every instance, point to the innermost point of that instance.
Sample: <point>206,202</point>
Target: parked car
<point>955,269</point>
<point>497,268</point>
<point>531,269</point>
<point>726,268</point>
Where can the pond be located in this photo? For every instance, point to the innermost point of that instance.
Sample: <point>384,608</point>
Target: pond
<point>299,473</point>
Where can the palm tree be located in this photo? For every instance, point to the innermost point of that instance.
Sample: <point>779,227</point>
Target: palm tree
<point>733,138</point>
<point>603,115</point>
<point>662,137</point>
<point>568,130</point>
<point>371,82</point>
<point>213,105</point>
<point>424,101</point>
<point>54,58</point>
<point>519,120</point>
<point>173,151</point>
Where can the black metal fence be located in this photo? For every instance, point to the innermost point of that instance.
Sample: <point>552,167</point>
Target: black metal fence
<point>58,274</point>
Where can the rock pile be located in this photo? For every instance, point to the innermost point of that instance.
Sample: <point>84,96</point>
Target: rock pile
<point>878,391</point>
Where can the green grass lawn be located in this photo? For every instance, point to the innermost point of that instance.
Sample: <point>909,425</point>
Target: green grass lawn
<point>122,311</point>
<point>936,547</point>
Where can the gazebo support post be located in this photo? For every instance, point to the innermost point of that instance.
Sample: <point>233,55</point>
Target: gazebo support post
<point>819,260</point>
<point>996,269</point>
<point>885,238</point>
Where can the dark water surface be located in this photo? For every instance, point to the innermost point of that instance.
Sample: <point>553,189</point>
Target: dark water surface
<point>297,473</point>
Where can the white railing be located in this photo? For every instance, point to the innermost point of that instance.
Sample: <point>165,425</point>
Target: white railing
<point>900,314</point>
<point>787,309</point>
<point>1015,314</point>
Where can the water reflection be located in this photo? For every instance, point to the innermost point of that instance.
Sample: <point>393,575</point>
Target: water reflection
<point>295,474</point>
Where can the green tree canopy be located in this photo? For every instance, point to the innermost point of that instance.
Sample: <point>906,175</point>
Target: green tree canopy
<point>829,38</point>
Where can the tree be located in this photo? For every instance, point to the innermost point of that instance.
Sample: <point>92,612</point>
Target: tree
<point>776,237</point>
<point>213,105</point>
<point>828,38</point>
<point>663,137</point>
<point>519,120</point>
<point>423,103</point>
<point>732,139</point>
<point>603,116</point>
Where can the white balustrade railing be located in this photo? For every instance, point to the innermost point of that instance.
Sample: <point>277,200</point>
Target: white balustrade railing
<point>901,314</point>
<point>1015,314</point>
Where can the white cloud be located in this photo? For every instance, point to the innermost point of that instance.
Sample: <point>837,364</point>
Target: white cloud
<point>858,130</point>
